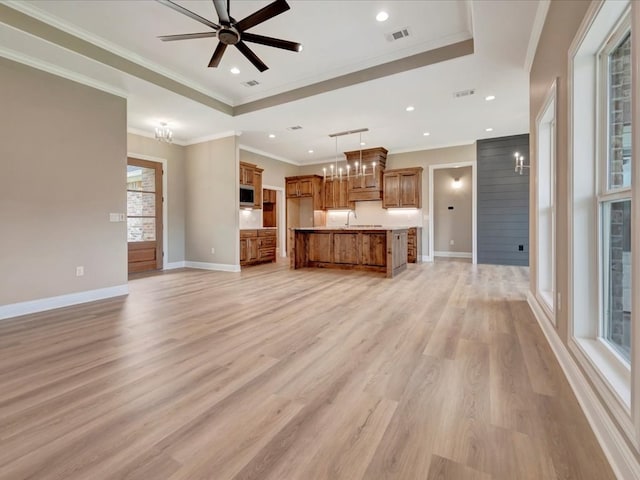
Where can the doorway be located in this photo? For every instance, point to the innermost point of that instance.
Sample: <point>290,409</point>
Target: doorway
<point>144,215</point>
<point>452,211</point>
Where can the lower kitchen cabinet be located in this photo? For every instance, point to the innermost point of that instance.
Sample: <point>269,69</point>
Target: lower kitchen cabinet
<point>257,246</point>
<point>414,245</point>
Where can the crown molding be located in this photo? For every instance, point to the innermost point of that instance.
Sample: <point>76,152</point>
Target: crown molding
<point>59,71</point>
<point>270,155</point>
<point>152,135</point>
<point>213,136</point>
<point>56,22</point>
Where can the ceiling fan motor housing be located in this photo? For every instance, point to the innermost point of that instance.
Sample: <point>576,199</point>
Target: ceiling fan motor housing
<point>228,35</point>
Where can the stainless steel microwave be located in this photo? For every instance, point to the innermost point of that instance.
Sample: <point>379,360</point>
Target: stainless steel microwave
<point>247,194</point>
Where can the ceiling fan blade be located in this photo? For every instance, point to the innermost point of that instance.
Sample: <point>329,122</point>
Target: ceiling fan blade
<point>252,57</point>
<point>187,36</point>
<point>271,42</point>
<point>217,54</point>
<point>221,9</point>
<point>262,15</point>
<point>189,13</point>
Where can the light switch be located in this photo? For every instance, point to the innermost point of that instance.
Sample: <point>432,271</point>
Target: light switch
<point>114,217</point>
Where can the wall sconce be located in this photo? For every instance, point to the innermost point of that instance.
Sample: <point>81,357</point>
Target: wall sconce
<point>520,166</point>
<point>456,183</point>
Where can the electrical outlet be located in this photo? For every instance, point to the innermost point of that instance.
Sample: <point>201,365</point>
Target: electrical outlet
<point>213,250</point>
<point>79,271</point>
<point>451,242</point>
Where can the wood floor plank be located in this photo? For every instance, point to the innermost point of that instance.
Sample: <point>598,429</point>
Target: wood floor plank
<point>311,374</point>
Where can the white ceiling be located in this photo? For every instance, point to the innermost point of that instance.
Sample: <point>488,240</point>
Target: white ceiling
<point>338,38</point>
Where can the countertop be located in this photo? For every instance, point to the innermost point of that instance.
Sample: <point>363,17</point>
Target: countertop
<point>342,228</point>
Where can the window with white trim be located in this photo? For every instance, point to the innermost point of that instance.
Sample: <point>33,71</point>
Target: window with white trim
<point>601,195</point>
<point>546,210</point>
<point>614,196</point>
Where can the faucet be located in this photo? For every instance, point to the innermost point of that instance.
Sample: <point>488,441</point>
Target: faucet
<point>349,214</point>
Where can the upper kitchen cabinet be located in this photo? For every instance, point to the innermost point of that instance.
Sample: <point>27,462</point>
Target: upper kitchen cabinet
<point>251,175</point>
<point>305,186</point>
<point>336,195</point>
<point>368,186</point>
<point>402,188</point>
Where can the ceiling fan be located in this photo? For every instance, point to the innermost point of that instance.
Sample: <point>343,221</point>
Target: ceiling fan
<point>232,32</point>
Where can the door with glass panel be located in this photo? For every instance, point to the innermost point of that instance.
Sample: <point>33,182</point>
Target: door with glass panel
<point>144,215</point>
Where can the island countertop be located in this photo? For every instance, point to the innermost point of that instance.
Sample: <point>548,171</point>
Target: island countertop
<point>374,248</point>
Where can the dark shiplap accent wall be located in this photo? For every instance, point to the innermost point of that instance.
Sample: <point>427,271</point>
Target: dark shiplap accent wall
<point>503,201</point>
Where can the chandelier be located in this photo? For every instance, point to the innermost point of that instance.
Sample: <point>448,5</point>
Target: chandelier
<point>339,170</point>
<point>164,133</point>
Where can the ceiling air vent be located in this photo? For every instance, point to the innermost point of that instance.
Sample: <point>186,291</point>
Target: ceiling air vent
<point>295,127</point>
<point>402,33</point>
<point>464,93</point>
<point>251,83</point>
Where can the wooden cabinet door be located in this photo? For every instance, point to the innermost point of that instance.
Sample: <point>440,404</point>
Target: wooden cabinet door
<point>391,190</point>
<point>305,188</point>
<point>342,196</point>
<point>374,249</point>
<point>257,183</point>
<point>409,194</point>
<point>252,249</point>
<point>292,188</point>
<point>243,250</point>
<point>328,194</point>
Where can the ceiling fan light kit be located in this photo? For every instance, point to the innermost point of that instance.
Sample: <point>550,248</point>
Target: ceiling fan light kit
<point>232,32</point>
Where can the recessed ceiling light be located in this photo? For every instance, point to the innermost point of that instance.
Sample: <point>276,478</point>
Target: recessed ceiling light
<point>310,151</point>
<point>410,108</point>
<point>362,144</point>
<point>426,134</point>
<point>271,135</point>
<point>488,129</point>
<point>235,70</point>
<point>382,16</point>
<point>488,98</point>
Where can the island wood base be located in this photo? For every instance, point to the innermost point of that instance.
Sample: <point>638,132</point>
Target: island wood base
<point>381,250</point>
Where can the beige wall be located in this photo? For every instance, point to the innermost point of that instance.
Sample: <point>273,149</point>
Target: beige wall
<point>212,202</point>
<point>452,224</point>
<point>275,171</point>
<point>563,20</point>
<point>143,147</point>
<point>63,150</point>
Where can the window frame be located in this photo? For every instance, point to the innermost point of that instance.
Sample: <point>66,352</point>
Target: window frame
<point>617,388</point>
<point>547,304</point>
<point>604,193</point>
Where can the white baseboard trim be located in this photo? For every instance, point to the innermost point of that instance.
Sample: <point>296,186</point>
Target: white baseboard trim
<point>616,449</point>
<point>173,265</point>
<point>43,304</point>
<point>220,267</point>
<point>427,258</point>
<point>454,254</point>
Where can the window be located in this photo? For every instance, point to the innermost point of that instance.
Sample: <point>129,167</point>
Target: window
<point>614,196</point>
<point>602,240</point>
<point>545,164</point>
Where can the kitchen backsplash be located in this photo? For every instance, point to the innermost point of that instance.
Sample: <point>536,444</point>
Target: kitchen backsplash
<point>372,213</point>
<point>250,219</point>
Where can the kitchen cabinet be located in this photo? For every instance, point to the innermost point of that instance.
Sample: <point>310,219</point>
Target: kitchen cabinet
<point>305,186</point>
<point>257,246</point>
<point>257,185</point>
<point>369,186</point>
<point>414,245</point>
<point>268,196</point>
<point>402,188</point>
<point>251,175</point>
<point>336,195</point>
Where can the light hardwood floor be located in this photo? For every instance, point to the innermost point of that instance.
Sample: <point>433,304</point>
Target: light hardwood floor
<point>272,374</point>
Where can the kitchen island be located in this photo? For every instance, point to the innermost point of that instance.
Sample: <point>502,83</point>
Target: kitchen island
<point>372,248</point>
